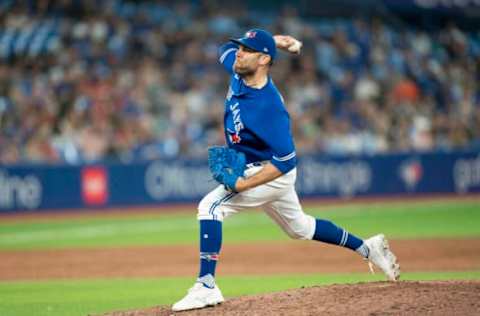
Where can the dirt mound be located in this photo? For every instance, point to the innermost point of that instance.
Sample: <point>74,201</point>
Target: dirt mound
<point>375,298</point>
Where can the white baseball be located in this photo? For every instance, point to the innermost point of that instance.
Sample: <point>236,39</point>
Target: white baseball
<point>295,47</point>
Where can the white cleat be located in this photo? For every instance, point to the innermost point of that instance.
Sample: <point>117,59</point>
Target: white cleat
<point>199,296</point>
<point>381,256</point>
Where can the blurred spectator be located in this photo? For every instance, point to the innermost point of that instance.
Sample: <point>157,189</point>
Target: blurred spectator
<point>83,81</point>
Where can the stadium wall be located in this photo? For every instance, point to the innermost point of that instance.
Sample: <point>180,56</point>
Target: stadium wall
<point>53,187</point>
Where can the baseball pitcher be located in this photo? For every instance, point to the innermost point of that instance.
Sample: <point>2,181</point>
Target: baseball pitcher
<point>257,168</point>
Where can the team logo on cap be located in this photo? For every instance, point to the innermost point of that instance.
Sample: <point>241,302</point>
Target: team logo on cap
<point>250,34</point>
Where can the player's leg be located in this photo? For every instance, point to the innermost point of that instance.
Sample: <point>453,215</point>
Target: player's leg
<point>219,204</point>
<point>212,210</point>
<point>205,292</point>
<point>288,213</point>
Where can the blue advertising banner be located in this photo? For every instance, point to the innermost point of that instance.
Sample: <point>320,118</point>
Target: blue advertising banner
<point>390,174</point>
<point>38,187</point>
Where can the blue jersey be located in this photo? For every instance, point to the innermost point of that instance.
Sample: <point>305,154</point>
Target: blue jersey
<point>256,121</point>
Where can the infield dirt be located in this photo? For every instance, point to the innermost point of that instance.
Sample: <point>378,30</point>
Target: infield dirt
<point>237,259</point>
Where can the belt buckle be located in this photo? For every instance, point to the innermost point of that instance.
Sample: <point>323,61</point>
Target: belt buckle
<point>253,164</point>
<point>256,164</point>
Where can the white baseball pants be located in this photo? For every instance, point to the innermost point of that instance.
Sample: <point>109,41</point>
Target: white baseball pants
<point>277,198</point>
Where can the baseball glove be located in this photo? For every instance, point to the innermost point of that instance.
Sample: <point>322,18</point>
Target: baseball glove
<point>226,165</point>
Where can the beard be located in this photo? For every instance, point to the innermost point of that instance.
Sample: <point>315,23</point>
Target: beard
<point>243,71</point>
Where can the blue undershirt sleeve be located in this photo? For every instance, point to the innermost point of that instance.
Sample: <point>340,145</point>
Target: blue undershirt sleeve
<point>226,56</point>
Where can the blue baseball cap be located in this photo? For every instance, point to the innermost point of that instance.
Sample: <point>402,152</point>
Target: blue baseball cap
<point>258,40</point>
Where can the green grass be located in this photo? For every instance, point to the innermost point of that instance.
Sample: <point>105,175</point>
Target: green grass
<point>398,220</point>
<point>81,297</point>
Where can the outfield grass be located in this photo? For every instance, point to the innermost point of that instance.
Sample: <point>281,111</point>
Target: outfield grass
<point>440,219</point>
<point>81,297</point>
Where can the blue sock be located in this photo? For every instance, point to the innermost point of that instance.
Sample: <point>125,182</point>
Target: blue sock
<point>330,233</point>
<point>210,244</point>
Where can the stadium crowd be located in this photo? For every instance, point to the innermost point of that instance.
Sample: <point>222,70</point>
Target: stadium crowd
<point>82,81</point>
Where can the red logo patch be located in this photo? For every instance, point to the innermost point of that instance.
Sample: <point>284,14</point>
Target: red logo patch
<point>234,138</point>
<point>251,34</point>
<point>94,186</point>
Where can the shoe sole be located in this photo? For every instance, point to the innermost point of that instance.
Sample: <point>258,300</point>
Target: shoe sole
<point>209,304</point>
<point>197,307</point>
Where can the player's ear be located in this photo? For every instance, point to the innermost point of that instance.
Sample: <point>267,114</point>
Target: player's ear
<point>265,60</point>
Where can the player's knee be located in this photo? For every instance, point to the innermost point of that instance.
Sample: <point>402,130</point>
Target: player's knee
<point>303,228</point>
<point>207,211</point>
<point>293,234</point>
<point>299,234</point>
<point>203,208</point>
